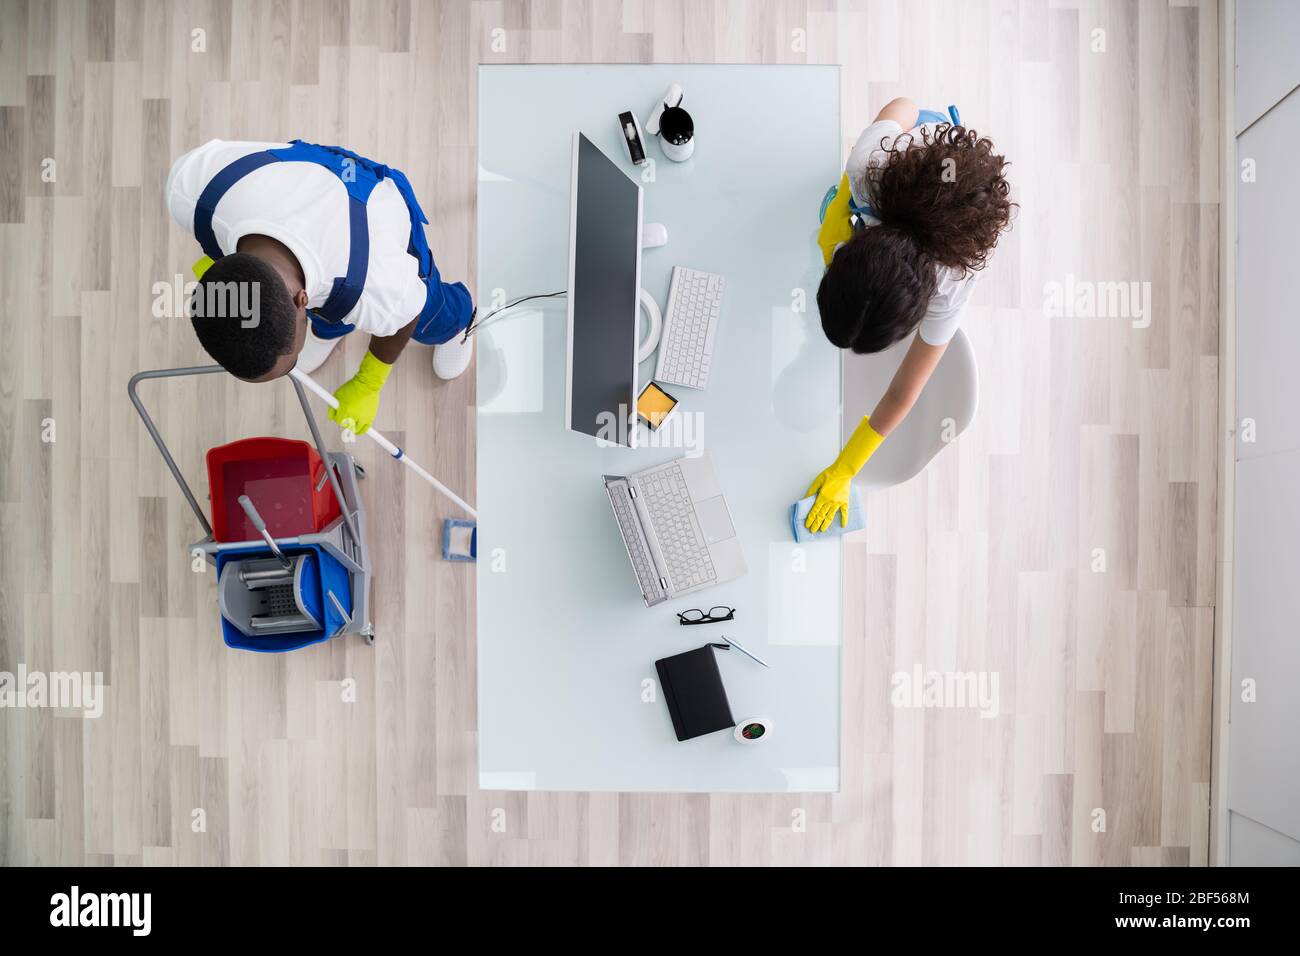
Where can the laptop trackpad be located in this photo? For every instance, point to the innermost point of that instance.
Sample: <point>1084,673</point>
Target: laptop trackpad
<point>715,520</point>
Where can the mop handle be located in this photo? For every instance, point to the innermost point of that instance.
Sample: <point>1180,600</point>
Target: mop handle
<point>383,442</point>
<point>246,503</point>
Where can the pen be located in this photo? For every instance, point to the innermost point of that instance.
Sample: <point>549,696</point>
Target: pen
<point>738,646</point>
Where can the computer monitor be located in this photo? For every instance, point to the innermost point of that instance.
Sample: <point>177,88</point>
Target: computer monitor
<point>604,286</point>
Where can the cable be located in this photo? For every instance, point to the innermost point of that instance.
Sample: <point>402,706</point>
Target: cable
<point>475,325</point>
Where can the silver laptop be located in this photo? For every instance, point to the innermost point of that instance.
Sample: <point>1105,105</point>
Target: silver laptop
<point>676,527</point>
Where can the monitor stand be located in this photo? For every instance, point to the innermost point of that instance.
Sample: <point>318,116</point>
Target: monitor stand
<point>653,234</point>
<point>651,342</point>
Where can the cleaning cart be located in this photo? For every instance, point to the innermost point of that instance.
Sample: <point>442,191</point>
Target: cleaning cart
<point>287,537</point>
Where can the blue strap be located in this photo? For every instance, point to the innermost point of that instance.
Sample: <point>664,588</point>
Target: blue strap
<point>359,177</point>
<point>217,187</point>
<point>863,210</point>
<point>347,288</point>
<point>934,116</point>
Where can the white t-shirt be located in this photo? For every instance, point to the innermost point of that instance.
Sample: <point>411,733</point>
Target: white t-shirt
<point>305,206</point>
<point>952,289</point>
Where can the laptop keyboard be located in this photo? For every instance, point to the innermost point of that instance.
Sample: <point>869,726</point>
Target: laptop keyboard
<point>682,542</point>
<point>636,547</point>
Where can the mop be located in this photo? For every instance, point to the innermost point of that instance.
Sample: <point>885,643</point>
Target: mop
<point>459,537</point>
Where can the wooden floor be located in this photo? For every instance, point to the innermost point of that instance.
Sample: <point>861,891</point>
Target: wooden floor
<point>1065,543</point>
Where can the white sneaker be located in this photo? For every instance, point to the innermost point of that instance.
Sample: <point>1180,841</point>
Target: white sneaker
<point>450,359</point>
<point>314,352</point>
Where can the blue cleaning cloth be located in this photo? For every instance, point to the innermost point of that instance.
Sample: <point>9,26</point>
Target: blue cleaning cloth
<point>456,550</point>
<point>799,514</point>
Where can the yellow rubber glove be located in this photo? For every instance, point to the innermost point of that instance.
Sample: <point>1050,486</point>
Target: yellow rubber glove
<point>832,485</point>
<point>359,396</point>
<point>837,224</point>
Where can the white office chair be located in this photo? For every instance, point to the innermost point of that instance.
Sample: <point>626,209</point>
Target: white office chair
<point>944,410</point>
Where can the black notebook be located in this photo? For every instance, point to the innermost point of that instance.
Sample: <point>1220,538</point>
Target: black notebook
<point>694,693</point>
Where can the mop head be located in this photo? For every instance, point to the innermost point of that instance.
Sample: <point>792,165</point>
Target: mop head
<point>799,514</point>
<point>459,540</point>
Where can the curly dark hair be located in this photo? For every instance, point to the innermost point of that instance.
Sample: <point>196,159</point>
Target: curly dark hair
<point>247,346</point>
<point>942,200</point>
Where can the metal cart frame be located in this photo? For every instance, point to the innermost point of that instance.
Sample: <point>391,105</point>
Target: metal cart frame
<point>344,538</point>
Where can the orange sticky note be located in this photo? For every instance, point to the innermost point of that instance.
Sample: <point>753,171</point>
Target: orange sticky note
<point>654,405</point>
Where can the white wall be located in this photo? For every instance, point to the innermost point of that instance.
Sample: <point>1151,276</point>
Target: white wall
<point>1268,48</point>
<point>1264,735</point>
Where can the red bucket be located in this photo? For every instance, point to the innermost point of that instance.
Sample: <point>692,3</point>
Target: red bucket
<point>285,479</point>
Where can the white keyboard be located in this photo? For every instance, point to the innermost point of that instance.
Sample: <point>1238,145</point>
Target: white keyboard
<point>677,529</point>
<point>690,322</point>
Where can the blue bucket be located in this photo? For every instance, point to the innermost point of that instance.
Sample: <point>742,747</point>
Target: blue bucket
<point>323,573</point>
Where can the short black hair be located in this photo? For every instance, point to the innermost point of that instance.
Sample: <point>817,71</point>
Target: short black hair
<point>243,314</point>
<point>875,290</point>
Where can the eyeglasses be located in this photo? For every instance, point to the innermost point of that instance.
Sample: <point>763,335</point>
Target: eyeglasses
<point>711,616</point>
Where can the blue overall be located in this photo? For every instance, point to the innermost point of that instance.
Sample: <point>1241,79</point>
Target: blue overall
<point>447,306</point>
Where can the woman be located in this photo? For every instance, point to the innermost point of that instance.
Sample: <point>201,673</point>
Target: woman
<point>916,215</point>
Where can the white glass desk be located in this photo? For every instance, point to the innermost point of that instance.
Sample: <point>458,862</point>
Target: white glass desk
<point>567,690</point>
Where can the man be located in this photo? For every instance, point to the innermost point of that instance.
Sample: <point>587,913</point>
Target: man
<point>314,242</point>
